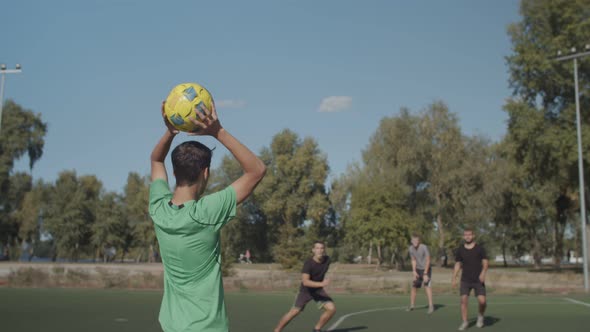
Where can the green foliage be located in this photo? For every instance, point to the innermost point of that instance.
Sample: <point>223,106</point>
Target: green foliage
<point>540,146</point>
<point>417,170</point>
<point>419,173</point>
<point>546,27</point>
<point>71,212</point>
<point>248,229</point>
<point>139,229</point>
<point>293,197</point>
<point>289,209</point>
<point>22,133</point>
<point>110,227</point>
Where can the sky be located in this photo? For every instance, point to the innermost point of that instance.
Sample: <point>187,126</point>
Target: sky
<point>97,72</point>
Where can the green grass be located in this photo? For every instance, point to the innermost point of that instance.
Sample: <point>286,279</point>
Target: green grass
<point>118,310</point>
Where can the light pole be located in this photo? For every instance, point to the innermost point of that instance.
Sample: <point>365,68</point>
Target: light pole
<point>5,71</point>
<point>575,57</point>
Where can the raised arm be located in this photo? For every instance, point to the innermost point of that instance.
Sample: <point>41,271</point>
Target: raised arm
<point>160,151</point>
<point>254,169</point>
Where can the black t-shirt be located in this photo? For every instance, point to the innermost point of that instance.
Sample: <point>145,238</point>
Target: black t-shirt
<point>472,262</point>
<point>317,271</point>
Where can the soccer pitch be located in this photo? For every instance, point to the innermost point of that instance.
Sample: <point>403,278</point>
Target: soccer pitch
<point>122,310</point>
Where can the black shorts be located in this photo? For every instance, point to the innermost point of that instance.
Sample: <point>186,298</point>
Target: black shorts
<point>418,282</point>
<point>319,296</point>
<point>478,287</point>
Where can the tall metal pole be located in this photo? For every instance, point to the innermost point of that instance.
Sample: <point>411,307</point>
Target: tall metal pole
<point>581,174</point>
<point>580,160</point>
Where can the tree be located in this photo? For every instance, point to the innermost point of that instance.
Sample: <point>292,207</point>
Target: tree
<point>379,217</point>
<point>385,190</point>
<point>445,158</point>
<point>419,172</point>
<point>29,214</point>
<point>71,212</point>
<point>141,228</point>
<point>110,228</point>
<point>22,134</point>
<point>340,200</point>
<point>546,27</point>
<point>293,197</point>
<point>248,229</point>
<point>544,93</point>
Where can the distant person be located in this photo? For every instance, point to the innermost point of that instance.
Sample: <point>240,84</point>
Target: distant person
<point>473,259</point>
<point>247,256</point>
<point>312,288</point>
<point>421,272</point>
<point>188,224</point>
<point>5,254</point>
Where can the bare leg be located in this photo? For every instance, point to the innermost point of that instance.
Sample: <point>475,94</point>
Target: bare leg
<point>464,302</point>
<point>287,318</point>
<point>429,295</point>
<point>482,304</point>
<point>329,311</point>
<point>413,297</point>
<point>482,309</point>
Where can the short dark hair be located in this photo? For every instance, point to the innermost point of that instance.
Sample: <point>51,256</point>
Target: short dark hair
<point>468,229</point>
<point>320,242</point>
<point>189,159</point>
<point>415,235</point>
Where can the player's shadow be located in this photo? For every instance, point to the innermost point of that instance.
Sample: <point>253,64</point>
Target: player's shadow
<point>487,321</point>
<point>438,306</point>
<point>350,329</point>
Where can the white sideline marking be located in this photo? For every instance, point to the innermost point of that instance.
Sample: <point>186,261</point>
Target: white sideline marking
<point>341,319</point>
<point>577,302</point>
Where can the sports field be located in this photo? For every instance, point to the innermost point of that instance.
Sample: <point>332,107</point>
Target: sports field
<point>119,310</point>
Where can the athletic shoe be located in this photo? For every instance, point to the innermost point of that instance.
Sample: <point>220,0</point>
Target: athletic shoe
<point>430,310</point>
<point>479,321</point>
<point>463,326</point>
<point>409,309</point>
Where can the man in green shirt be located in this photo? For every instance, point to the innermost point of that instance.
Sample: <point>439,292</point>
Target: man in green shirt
<point>188,224</point>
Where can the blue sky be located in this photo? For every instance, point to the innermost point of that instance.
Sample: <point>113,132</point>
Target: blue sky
<point>98,70</point>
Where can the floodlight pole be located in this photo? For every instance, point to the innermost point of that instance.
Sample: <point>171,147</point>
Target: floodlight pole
<point>575,57</point>
<point>3,72</point>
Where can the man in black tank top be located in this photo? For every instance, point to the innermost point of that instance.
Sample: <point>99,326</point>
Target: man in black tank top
<point>312,288</point>
<point>474,260</point>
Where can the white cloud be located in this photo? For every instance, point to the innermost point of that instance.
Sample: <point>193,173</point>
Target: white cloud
<point>230,103</point>
<point>335,103</point>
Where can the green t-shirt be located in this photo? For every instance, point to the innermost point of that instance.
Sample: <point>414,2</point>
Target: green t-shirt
<point>190,247</point>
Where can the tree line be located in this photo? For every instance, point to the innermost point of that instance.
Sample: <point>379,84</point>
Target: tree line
<point>419,173</point>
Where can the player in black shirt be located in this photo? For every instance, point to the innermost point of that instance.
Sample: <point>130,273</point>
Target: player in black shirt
<point>473,259</point>
<point>312,288</point>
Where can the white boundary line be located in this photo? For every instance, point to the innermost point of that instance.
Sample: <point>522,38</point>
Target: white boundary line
<point>577,302</point>
<point>341,319</point>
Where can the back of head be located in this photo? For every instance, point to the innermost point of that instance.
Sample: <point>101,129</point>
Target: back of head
<point>189,160</point>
